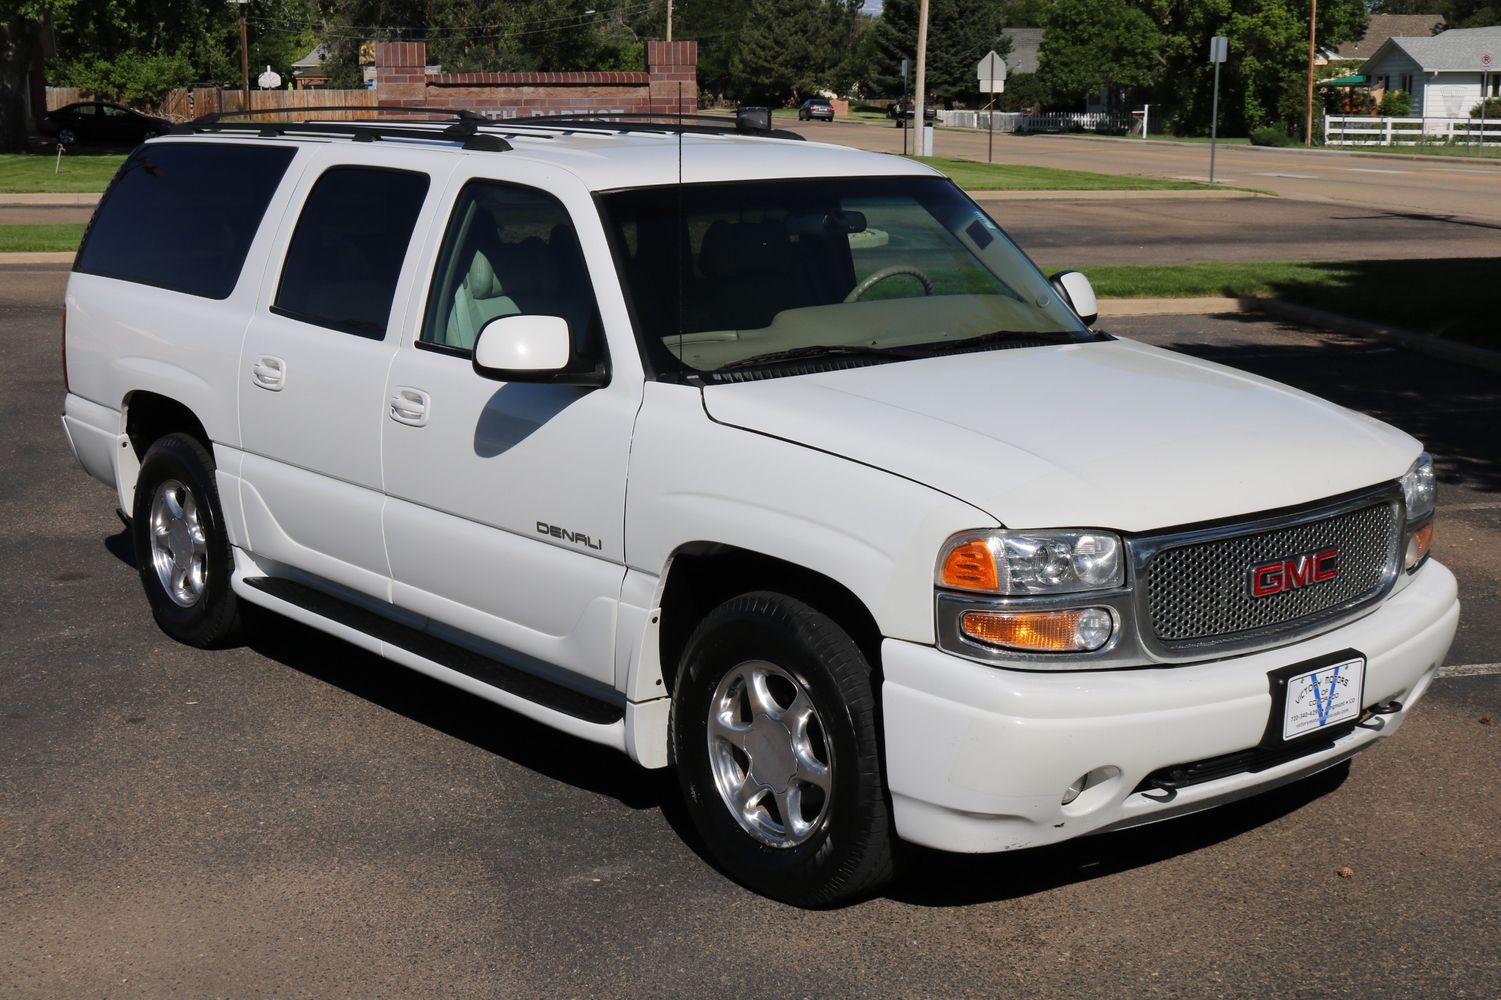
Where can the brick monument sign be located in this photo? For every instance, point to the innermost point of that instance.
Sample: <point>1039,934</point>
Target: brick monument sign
<point>401,78</point>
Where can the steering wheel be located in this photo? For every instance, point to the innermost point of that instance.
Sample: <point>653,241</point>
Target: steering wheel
<point>889,272</point>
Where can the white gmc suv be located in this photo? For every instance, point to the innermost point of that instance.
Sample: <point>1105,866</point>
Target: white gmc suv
<point>772,461</point>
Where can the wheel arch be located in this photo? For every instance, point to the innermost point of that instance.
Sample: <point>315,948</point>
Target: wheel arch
<point>701,575</point>
<point>145,417</point>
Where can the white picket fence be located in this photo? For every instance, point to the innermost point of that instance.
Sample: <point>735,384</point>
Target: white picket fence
<point>1363,130</point>
<point>1003,121</point>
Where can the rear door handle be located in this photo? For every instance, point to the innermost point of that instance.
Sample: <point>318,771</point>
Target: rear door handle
<point>409,406</point>
<point>269,372</point>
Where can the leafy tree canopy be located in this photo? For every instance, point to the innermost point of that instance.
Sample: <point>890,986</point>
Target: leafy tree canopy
<point>960,32</point>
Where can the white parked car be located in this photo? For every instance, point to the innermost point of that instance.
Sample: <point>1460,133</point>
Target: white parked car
<point>773,461</point>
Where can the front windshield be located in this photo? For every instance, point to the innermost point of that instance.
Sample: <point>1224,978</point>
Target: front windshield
<point>729,277</point>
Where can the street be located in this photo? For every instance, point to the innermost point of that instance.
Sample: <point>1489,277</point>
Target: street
<point>296,817</point>
<point>1442,186</point>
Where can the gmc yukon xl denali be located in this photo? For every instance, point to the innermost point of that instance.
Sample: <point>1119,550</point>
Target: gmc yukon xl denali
<point>770,461</point>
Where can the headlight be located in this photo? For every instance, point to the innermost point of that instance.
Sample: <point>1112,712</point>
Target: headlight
<point>1420,489</point>
<point>1032,562</point>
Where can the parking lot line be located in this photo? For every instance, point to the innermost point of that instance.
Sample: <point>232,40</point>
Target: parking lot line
<point>1469,670</point>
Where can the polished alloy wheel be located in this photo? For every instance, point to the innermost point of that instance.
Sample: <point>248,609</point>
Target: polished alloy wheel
<point>769,754</point>
<point>179,547</point>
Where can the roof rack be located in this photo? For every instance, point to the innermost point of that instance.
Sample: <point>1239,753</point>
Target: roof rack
<point>464,127</point>
<point>467,125</point>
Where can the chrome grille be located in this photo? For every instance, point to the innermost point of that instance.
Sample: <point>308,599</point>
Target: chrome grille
<point>1201,591</point>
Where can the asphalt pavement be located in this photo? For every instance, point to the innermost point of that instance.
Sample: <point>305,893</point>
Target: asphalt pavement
<point>1464,187</point>
<point>297,818</point>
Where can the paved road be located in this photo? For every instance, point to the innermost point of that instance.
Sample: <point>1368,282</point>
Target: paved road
<point>1442,186</point>
<point>299,818</point>
<point>1060,232</point>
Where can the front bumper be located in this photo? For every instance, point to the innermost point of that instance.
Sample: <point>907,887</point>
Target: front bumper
<point>978,757</point>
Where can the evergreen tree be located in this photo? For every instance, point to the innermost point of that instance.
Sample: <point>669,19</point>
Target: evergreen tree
<point>960,32</point>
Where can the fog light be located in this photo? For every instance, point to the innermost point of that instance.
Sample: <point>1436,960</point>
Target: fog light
<point>1074,630</point>
<point>1419,544</point>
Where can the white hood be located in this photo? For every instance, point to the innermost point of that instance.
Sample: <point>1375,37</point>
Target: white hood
<point>1109,434</point>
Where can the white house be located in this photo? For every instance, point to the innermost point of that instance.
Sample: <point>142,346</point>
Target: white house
<point>1444,73</point>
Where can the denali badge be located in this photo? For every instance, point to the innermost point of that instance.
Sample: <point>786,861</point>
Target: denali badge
<point>576,537</point>
<point>1291,574</point>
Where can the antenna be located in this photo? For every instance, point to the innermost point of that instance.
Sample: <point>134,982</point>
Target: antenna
<point>682,227</point>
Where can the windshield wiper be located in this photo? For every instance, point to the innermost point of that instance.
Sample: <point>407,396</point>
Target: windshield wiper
<point>823,351</point>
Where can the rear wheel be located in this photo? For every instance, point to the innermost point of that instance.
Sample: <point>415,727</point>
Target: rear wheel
<point>775,740</point>
<point>67,137</point>
<point>181,547</point>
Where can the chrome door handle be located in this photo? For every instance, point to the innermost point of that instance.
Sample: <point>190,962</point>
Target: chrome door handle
<point>409,406</point>
<point>269,373</point>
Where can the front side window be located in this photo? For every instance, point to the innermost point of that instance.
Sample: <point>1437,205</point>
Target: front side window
<point>509,251</point>
<point>726,277</point>
<point>347,250</point>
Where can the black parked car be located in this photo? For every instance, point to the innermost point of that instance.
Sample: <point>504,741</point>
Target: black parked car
<point>101,123</point>
<point>815,107</point>
<point>902,111</point>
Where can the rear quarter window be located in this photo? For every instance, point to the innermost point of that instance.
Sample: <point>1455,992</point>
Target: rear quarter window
<point>182,215</point>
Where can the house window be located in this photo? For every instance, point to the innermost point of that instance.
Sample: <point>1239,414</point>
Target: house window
<point>1407,82</point>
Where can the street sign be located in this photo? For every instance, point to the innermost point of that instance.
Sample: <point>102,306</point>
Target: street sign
<point>1219,48</point>
<point>906,69</point>
<point>1486,62</point>
<point>991,73</point>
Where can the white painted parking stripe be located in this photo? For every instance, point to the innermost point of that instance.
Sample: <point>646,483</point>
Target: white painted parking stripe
<point>1470,670</point>
<point>1375,170</point>
<point>1291,177</point>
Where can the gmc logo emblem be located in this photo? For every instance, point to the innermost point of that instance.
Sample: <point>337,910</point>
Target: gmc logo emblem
<point>1292,574</point>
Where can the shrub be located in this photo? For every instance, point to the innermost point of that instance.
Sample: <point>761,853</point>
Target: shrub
<point>1396,104</point>
<point>1271,135</point>
<point>1492,108</point>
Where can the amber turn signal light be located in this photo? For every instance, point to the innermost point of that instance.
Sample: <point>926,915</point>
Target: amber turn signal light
<point>1419,544</point>
<point>971,566</point>
<point>1075,630</point>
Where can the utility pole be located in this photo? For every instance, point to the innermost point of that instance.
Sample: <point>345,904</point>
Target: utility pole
<point>1313,17</point>
<point>244,59</point>
<point>920,99</point>
<point>669,20</point>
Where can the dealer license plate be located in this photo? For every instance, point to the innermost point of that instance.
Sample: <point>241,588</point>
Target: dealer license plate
<point>1324,697</point>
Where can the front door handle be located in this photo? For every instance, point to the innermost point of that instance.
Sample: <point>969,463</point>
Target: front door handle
<point>269,372</point>
<point>409,406</point>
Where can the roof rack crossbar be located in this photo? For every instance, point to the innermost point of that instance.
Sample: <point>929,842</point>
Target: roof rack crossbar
<point>360,131</point>
<point>462,114</point>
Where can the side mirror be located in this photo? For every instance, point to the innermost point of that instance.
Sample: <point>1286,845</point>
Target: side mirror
<point>531,349</point>
<point>1076,290</point>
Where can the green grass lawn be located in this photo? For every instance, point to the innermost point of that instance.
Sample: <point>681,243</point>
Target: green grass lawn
<point>973,176</point>
<point>41,238</point>
<point>1455,299</point>
<point>77,173</point>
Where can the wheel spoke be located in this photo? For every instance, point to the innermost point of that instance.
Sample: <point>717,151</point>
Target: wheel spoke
<point>810,769</point>
<point>759,693</point>
<point>748,794</point>
<point>173,503</point>
<point>721,728</point>
<point>179,580</point>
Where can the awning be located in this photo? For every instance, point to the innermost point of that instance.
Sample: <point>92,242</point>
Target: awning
<point>1353,80</point>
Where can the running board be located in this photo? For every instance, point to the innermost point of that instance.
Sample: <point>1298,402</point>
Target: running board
<point>527,694</point>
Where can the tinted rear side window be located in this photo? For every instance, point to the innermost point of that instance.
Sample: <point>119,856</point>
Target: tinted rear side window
<point>347,250</point>
<point>182,215</point>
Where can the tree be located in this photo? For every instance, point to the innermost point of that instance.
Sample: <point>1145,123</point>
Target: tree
<point>960,32</point>
<point>1089,45</point>
<point>1457,13</point>
<point>780,52</point>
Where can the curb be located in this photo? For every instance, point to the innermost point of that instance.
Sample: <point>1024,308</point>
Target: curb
<point>84,200</point>
<point>64,257</point>
<point>1433,347</point>
<point>1189,194</point>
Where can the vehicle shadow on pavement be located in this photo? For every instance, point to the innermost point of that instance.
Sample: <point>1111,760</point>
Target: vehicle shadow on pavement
<point>456,713</point>
<point>934,878</point>
<point>1450,407</point>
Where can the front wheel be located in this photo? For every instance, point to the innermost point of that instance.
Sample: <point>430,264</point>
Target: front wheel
<point>181,546</point>
<point>775,740</point>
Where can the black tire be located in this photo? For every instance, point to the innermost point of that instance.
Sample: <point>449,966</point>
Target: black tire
<point>849,852</point>
<point>212,619</point>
